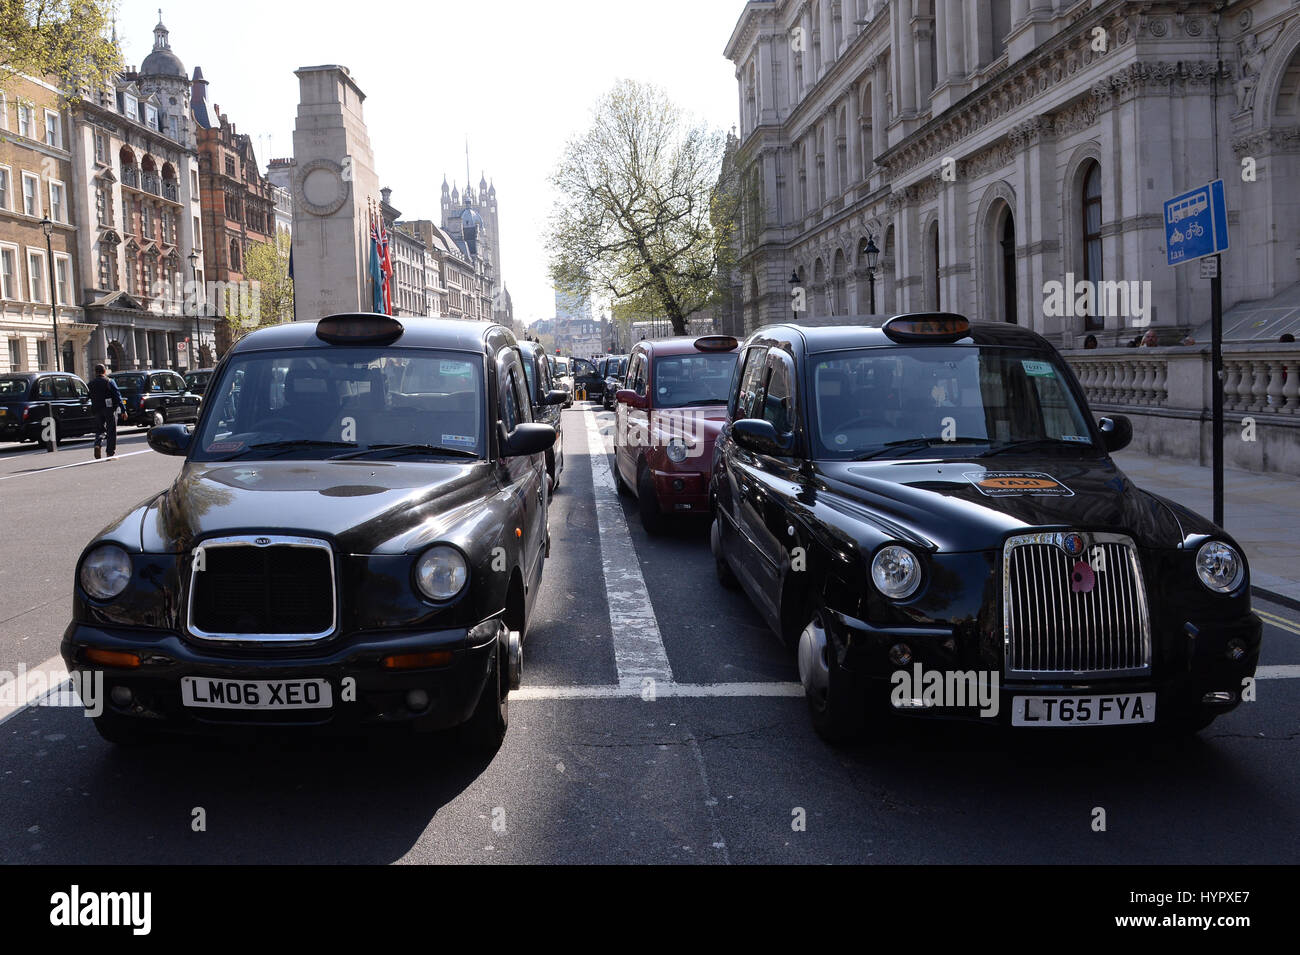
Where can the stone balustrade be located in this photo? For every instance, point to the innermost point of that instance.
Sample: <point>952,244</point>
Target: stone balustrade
<point>1168,389</point>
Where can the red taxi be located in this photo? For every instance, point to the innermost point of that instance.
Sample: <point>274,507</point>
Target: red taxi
<point>669,415</point>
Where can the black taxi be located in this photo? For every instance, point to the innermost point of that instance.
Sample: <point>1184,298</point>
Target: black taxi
<point>356,542</point>
<point>927,510</point>
<point>156,396</point>
<point>547,400</point>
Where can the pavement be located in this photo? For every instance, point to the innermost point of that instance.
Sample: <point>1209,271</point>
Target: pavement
<point>719,765</point>
<point>1261,511</point>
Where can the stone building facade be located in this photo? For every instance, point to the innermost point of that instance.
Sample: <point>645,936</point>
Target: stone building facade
<point>36,180</point>
<point>992,148</point>
<point>410,258</point>
<point>238,203</point>
<point>136,191</point>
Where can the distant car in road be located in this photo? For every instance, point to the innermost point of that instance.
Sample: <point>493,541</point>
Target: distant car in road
<point>28,398</point>
<point>356,543</point>
<point>560,372</point>
<point>546,400</point>
<point>156,397</point>
<point>926,502</point>
<point>587,381</point>
<point>612,368</point>
<point>669,414</point>
<point>196,381</point>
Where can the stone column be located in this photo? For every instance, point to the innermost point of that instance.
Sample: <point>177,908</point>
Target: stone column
<point>334,183</point>
<point>952,35</point>
<point>853,137</point>
<point>878,120</point>
<point>941,28</point>
<point>905,71</point>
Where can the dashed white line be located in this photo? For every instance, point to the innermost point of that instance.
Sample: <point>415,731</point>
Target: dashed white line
<point>639,653</point>
<point>75,464</point>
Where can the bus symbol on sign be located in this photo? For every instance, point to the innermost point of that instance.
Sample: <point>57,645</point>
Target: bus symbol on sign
<point>1196,224</point>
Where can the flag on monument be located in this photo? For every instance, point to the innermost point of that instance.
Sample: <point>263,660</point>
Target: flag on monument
<point>376,270</point>
<point>386,263</point>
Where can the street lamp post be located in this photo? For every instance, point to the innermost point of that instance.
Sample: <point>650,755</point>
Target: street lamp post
<point>194,279</point>
<point>48,228</point>
<point>794,281</point>
<point>872,255</point>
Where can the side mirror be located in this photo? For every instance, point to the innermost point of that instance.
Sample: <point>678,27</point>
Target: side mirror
<point>759,436</point>
<point>170,439</point>
<point>556,396</point>
<point>1116,431</point>
<point>626,396</point>
<point>527,438</point>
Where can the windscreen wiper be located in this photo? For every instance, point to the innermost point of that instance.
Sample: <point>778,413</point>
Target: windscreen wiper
<point>1029,443</point>
<point>406,449</point>
<point>908,445</point>
<point>288,445</point>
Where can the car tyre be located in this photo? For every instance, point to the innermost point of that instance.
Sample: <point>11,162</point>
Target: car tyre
<point>652,519</point>
<point>486,728</point>
<point>837,701</point>
<point>726,576</point>
<point>158,420</point>
<point>125,731</point>
<point>619,484</point>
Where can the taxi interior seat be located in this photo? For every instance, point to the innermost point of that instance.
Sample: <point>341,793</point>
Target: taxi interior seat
<point>310,397</point>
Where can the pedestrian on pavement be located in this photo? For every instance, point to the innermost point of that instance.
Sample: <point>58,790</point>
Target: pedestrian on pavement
<point>1090,342</point>
<point>106,400</point>
<point>1150,340</point>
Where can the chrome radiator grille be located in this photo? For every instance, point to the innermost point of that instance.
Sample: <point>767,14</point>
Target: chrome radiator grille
<point>1051,630</point>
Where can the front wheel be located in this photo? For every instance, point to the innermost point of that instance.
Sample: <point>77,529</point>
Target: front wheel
<point>837,702</point>
<point>158,420</point>
<point>485,730</point>
<point>726,576</point>
<point>652,519</point>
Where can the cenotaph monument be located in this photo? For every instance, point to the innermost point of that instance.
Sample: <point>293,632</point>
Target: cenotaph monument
<point>334,182</point>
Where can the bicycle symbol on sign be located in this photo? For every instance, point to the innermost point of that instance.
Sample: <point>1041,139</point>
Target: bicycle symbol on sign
<point>1195,229</point>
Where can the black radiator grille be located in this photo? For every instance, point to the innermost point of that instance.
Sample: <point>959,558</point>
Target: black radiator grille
<point>277,589</point>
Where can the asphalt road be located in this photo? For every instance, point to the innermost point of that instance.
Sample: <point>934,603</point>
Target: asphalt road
<point>721,766</point>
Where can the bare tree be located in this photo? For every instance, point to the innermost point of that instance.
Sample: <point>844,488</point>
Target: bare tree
<point>637,216</point>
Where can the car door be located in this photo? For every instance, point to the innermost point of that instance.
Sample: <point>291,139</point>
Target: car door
<point>633,424</point>
<point>525,475</point>
<point>46,404</point>
<point>85,414</point>
<point>737,468</point>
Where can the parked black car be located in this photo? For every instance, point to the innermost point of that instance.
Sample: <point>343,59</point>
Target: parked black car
<point>156,396</point>
<point>613,369</point>
<point>926,496</point>
<point>28,398</point>
<point>359,543</point>
<point>547,400</point>
<point>196,381</point>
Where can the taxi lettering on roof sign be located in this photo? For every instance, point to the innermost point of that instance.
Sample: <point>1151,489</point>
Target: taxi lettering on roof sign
<point>1002,483</point>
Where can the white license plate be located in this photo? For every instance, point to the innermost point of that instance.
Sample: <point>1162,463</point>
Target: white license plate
<point>1109,710</point>
<point>220,694</point>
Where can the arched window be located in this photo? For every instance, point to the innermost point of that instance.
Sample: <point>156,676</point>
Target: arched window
<point>234,255</point>
<point>839,287</point>
<point>1007,240</point>
<point>936,292</point>
<point>1090,219</point>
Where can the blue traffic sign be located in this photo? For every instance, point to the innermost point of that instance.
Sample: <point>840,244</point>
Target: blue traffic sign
<point>1196,224</point>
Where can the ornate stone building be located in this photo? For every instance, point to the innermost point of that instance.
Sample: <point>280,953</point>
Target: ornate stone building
<point>991,148</point>
<point>472,222</point>
<point>136,191</point>
<point>238,202</point>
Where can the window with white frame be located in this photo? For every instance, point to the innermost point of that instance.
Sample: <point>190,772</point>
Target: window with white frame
<point>15,354</point>
<point>35,275</point>
<point>101,148</point>
<point>58,209</point>
<point>9,272</point>
<point>63,277</point>
<point>151,116</point>
<point>53,132</point>
<point>6,185</point>
<point>42,355</point>
<point>131,106</point>
<point>31,195</point>
<point>26,121</point>
<point>4,111</point>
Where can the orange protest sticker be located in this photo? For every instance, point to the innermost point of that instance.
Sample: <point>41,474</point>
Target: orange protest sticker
<point>1008,483</point>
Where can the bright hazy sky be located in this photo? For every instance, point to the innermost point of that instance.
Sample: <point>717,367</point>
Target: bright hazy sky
<point>516,78</point>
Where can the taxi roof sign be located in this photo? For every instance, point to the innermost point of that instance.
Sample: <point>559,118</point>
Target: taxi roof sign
<point>716,343</point>
<point>359,329</point>
<point>927,326</point>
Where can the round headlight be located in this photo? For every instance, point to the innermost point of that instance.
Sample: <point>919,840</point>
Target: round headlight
<point>1220,567</point>
<point>896,572</point>
<point>105,572</point>
<point>441,572</point>
<point>677,450</point>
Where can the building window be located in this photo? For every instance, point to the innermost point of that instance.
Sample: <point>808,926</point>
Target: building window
<point>132,272</point>
<point>101,148</point>
<point>174,127</point>
<point>146,220</point>
<point>15,354</point>
<point>35,276</point>
<point>999,25</point>
<point>234,255</point>
<point>1008,243</point>
<point>9,273</point>
<point>151,117</point>
<point>4,188</point>
<point>63,278</point>
<point>53,135</point>
<point>230,167</point>
<point>26,121</point>
<point>31,196</point>
<point>57,211</point>
<point>4,111</point>
<point>128,222</point>
<point>1091,221</point>
<point>194,183</point>
<point>42,355</point>
<point>131,106</point>
<point>107,268</point>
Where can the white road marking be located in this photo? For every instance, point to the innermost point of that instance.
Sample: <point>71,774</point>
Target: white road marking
<point>55,675</point>
<point>1278,672</point>
<point>660,691</point>
<point>638,646</point>
<point>75,464</point>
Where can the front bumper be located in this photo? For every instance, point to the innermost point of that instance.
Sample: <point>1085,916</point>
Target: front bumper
<point>1181,682</point>
<point>377,696</point>
<point>681,492</point>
